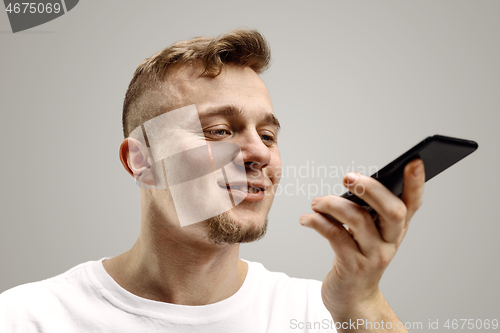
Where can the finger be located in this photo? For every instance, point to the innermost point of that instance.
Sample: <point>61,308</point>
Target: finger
<point>391,210</point>
<point>361,225</point>
<point>340,240</point>
<point>413,188</point>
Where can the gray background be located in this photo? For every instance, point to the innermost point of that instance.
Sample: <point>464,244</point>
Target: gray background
<point>354,83</point>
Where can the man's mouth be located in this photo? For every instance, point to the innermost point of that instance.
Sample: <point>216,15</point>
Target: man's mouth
<point>243,188</point>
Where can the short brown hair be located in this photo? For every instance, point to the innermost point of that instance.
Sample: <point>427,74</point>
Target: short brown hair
<point>241,47</point>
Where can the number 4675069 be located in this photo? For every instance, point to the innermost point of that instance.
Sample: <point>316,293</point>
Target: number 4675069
<point>33,7</point>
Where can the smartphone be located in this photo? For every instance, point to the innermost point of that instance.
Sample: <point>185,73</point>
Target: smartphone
<point>438,153</point>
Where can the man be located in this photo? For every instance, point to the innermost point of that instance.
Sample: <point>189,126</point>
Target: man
<point>183,275</point>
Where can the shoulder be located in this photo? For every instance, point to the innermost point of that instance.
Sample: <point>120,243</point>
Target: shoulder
<point>41,288</point>
<point>290,302</point>
<point>280,286</point>
<point>280,279</point>
<point>29,302</point>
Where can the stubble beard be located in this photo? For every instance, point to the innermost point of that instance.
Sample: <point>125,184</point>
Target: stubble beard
<point>222,229</point>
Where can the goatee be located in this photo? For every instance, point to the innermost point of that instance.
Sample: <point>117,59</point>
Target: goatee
<point>221,229</point>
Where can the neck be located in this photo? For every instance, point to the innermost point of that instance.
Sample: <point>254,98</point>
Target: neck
<point>178,265</point>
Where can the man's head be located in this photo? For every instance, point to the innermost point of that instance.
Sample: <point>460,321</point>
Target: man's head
<point>244,48</point>
<point>220,77</point>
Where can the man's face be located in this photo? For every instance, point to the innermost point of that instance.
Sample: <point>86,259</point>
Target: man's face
<point>235,107</point>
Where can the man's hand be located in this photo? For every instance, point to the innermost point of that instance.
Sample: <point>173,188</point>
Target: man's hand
<point>364,248</point>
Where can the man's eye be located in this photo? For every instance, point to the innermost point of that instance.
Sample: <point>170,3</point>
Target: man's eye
<point>268,139</point>
<point>219,133</point>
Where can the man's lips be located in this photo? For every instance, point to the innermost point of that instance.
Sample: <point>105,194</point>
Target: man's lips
<point>252,192</point>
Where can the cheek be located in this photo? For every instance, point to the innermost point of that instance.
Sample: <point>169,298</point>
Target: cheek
<point>275,168</point>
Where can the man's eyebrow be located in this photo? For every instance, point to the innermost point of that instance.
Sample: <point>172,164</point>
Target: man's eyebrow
<point>232,111</point>
<point>271,118</point>
<point>226,110</point>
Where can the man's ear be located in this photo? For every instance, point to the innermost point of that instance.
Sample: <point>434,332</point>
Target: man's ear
<point>136,160</point>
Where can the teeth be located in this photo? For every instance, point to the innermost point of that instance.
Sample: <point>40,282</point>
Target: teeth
<point>244,188</point>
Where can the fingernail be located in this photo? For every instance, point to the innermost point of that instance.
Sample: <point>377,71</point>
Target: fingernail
<point>315,201</point>
<point>417,171</point>
<point>350,178</point>
<point>302,219</point>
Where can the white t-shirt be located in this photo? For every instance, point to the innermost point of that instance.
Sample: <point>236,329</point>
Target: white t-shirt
<point>87,299</point>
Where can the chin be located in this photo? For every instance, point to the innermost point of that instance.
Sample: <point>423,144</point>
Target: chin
<point>232,228</point>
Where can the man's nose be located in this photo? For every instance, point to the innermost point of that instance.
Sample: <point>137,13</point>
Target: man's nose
<point>255,153</point>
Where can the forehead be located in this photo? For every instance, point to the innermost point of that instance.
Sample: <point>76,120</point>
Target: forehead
<point>237,86</point>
